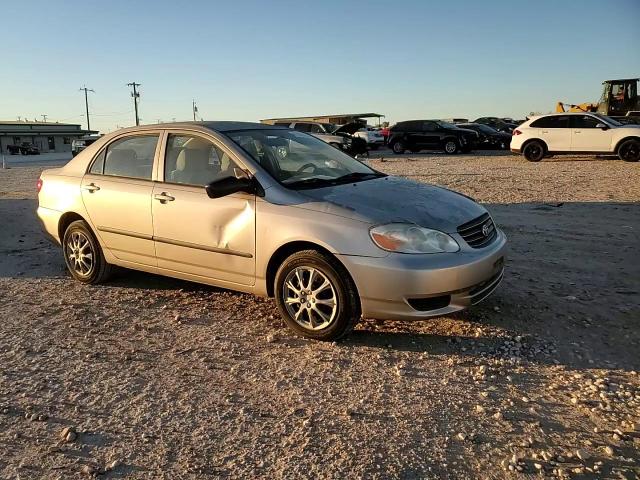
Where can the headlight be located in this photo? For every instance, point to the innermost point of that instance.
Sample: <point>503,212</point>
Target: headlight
<point>409,238</point>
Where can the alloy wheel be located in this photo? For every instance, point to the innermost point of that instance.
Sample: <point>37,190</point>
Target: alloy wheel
<point>398,147</point>
<point>310,298</point>
<point>79,254</point>
<point>450,147</point>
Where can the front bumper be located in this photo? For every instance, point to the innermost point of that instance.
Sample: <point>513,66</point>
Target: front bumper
<point>387,285</point>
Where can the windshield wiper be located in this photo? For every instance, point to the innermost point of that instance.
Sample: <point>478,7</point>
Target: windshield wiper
<point>326,182</point>
<point>311,183</point>
<point>358,177</point>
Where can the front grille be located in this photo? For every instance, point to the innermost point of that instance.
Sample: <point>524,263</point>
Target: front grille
<point>479,232</point>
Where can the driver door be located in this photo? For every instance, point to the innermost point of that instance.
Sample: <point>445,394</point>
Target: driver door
<point>195,234</point>
<point>586,137</point>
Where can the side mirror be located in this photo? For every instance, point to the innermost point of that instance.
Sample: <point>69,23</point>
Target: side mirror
<point>602,126</point>
<point>228,185</point>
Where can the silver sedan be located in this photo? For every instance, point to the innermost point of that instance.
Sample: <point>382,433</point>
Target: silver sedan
<point>274,212</point>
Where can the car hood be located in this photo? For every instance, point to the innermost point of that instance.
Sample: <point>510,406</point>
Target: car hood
<point>394,199</point>
<point>349,128</point>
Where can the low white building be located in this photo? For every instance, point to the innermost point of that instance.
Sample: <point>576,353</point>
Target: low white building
<point>46,136</point>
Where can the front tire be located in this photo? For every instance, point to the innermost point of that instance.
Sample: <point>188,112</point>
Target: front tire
<point>450,147</point>
<point>533,151</point>
<point>83,255</point>
<point>629,151</point>
<point>316,296</point>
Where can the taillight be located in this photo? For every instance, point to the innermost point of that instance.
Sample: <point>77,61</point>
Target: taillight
<point>39,185</point>
<point>517,132</point>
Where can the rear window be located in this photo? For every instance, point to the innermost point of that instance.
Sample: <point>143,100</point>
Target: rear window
<point>556,121</point>
<point>131,157</point>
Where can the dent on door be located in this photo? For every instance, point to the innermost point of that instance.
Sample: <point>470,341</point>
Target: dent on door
<point>213,238</point>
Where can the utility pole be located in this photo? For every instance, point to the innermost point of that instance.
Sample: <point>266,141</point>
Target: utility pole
<point>86,104</point>
<point>195,110</point>
<point>136,95</point>
<point>44,118</point>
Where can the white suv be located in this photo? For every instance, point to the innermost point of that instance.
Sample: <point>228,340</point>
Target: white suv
<point>566,133</point>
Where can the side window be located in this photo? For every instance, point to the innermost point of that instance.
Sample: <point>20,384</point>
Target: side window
<point>555,121</point>
<point>194,160</point>
<point>316,129</point>
<point>584,121</point>
<point>98,164</point>
<point>302,127</point>
<point>429,127</point>
<point>131,157</point>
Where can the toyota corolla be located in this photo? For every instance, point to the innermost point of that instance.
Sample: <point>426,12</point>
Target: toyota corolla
<point>274,212</point>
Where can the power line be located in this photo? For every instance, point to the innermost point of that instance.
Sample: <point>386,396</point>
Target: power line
<point>86,104</point>
<point>136,95</point>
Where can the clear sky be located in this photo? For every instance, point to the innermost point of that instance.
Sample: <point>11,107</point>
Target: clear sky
<point>247,60</point>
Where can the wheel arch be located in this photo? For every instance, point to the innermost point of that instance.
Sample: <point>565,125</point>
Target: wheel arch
<point>289,248</point>
<point>624,139</point>
<point>67,219</point>
<point>527,142</point>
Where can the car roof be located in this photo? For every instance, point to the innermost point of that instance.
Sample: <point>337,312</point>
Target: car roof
<point>217,126</point>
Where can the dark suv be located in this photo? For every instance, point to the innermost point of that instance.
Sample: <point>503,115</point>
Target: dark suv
<point>416,135</point>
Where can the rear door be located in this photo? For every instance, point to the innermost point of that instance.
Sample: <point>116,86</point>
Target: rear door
<point>555,131</point>
<point>586,137</point>
<point>117,195</point>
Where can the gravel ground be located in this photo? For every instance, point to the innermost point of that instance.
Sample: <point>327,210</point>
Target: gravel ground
<point>153,378</point>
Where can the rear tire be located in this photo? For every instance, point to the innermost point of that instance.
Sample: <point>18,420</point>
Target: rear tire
<point>398,147</point>
<point>83,255</point>
<point>306,307</point>
<point>629,150</point>
<point>534,151</point>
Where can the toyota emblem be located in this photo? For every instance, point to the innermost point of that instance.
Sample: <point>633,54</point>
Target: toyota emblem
<point>485,229</point>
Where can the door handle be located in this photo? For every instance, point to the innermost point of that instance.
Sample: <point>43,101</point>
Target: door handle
<point>577,131</point>
<point>545,131</point>
<point>92,187</point>
<point>163,197</point>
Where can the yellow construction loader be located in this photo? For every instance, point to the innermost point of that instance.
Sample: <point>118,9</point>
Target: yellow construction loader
<point>619,100</point>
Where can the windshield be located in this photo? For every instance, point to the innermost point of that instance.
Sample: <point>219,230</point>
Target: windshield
<point>610,120</point>
<point>446,124</point>
<point>298,160</point>
<point>483,128</point>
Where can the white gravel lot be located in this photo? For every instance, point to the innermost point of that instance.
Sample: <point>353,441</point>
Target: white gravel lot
<point>156,378</point>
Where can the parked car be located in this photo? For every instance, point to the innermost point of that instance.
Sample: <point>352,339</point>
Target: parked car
<point>497,123</point>
<point>416,135</point>
<point>25,148</point>
<point>217,203</point>
<point>456,121</point>
<point>339,136</point>
<point>371,135</point>
<point>80,144</point>
<point>490,138</point>
<point>570,133</point>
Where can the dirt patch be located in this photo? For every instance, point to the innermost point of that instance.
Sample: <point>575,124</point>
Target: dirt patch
<point>170,379</point>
